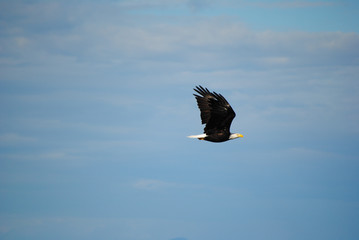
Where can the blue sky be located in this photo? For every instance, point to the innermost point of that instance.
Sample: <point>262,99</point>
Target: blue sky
<point>96,103</point>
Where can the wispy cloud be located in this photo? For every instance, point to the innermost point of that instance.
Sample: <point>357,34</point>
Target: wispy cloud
<point>210,45</point>
<point>154,185</point>
<point>16,139</point>
<point>124,42</point>
<point>293,4</point>
<point>151,184</point>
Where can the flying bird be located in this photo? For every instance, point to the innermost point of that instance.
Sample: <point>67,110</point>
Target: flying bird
<point>217,114</point>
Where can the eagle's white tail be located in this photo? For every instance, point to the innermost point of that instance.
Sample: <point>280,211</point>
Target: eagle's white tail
<point>200,136</point>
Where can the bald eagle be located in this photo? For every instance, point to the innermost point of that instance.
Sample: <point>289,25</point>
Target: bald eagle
<point>217,114</point>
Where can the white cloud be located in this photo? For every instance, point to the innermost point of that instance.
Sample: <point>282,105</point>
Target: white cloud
<point>124,38</point>
<point>114,40</point>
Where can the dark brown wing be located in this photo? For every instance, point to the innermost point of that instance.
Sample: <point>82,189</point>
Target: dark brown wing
<point>216,112</point>
<point>203,101</point>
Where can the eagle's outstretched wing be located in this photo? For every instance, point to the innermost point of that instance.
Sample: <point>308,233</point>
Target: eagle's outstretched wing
<point>216,112</point>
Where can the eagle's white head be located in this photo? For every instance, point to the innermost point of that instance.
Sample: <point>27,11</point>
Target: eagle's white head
<point>235,135</point>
